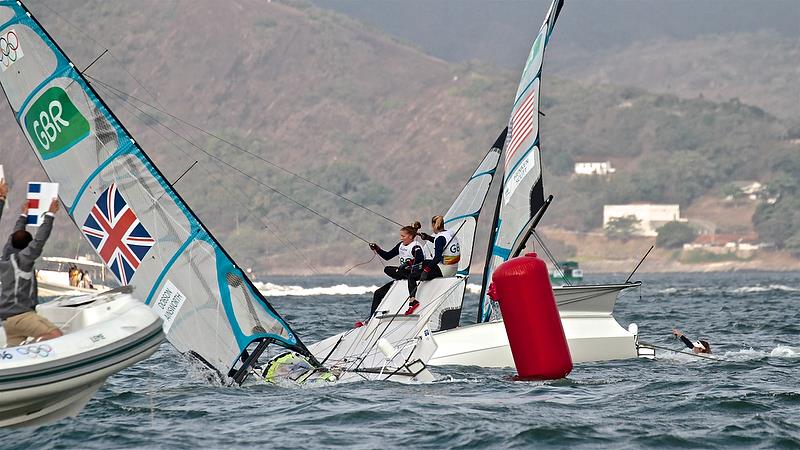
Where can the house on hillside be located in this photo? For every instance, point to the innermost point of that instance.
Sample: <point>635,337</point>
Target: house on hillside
<point>594,168</point>
<point>650,216</point>
<point>748,189</point>
<point>743,245</point>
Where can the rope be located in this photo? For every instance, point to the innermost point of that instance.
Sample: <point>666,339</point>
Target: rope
<point>264,221</point>
<point>243,150</point>
<point>361,264</point>
<point>240,171</point>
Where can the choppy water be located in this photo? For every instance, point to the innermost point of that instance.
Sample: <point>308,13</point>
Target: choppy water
<point>750,399</point>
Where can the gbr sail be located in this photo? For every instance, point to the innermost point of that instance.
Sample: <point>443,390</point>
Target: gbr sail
<point>127,210</point>
<point>522,193</point>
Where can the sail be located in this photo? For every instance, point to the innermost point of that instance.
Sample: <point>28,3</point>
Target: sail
<point>462,217</point>
<point>127,210</point>
<point>522,193</point>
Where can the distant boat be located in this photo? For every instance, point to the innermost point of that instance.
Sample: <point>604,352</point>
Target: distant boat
<point>53,276</point>
<point>567,273</point>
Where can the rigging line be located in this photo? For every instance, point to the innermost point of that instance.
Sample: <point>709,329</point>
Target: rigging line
<point>361,264</point>
<point>243,173</point>
<point>254,155</point>
<point>87,35</point>
<point>551,257</point>
<point>264,221</point>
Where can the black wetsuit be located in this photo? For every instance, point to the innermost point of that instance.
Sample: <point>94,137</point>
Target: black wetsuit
<point>408,272</point>
<point>687,342</point>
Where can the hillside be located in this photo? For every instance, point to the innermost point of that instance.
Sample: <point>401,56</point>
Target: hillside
<point>367,116</point>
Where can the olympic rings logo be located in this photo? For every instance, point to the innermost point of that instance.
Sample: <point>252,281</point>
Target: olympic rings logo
<point>9,48</point>
<point>34,351</point>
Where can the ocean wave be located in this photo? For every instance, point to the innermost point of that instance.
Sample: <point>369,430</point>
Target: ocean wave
<point>277,290</point>
<point>473,288</point>
<point>758,289</point>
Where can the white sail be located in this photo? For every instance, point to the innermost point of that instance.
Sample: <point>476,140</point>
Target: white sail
<point>522,194</point>
<point>128,211</point>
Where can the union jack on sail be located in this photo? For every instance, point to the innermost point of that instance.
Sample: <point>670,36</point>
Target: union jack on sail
<point>116,233</point>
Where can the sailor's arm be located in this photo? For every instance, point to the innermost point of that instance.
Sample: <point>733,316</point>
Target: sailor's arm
<point>34,250</point>
<point>438,249</point>
<point>387,255</point>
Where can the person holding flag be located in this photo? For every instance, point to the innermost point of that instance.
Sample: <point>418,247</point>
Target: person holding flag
<point>18,289</point>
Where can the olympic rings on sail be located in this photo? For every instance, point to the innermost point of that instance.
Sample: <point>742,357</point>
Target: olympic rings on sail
<point>9,48</point>
<point>34,351</point>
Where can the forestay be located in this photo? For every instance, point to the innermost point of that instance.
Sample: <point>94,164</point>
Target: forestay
<point>522,193</point>
<point>140,227</point>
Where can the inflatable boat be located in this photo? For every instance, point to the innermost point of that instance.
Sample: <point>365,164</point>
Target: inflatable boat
<point>41,382</point>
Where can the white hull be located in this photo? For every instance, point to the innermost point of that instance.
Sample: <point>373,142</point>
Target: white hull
<point>44,382</point>
<point>586,315</point>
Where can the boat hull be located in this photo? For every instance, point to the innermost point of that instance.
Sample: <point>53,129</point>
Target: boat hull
<point>50,380</point>
<point>586,315</point>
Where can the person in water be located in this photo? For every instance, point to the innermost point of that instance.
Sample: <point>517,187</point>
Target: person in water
<point>409,252</point>
<point>18,289</point>
<point>446,252</point>
<point>696,346</point>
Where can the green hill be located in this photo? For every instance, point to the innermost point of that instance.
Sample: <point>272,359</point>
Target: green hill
<point>369,117</point>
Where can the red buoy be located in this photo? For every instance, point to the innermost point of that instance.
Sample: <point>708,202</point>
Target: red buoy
<point>522,287</point>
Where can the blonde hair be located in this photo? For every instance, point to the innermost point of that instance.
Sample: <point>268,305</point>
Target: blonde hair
<point>437,223</point>
<point>412,229</point>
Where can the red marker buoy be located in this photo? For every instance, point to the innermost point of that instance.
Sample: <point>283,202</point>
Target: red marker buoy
<point>522,287</point>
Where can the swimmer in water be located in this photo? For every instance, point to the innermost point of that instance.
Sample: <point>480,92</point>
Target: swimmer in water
<point>696,346</point>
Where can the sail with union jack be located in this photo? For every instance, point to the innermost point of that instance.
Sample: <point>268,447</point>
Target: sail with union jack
<point>116,233</point>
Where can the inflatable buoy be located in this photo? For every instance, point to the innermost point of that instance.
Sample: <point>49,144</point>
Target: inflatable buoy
<point>522,287</point>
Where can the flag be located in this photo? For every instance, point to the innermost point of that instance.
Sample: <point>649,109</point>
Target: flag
<point>40,195</point>
<point>523,122</point>
<point>116,233</point>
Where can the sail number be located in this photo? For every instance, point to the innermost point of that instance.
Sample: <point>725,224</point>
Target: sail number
<point>54,124</point>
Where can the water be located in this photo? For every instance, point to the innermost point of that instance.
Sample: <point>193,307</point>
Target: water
<point>750,399</point>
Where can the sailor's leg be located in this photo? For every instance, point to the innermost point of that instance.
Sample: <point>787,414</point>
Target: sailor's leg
<point>433,272</point>
<point>378,296</point>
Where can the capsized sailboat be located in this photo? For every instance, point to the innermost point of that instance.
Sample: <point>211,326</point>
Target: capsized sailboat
<point>147,235</point>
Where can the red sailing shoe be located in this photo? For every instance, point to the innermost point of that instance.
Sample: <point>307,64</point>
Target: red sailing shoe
<point>359,324</point>
<point>412,307</point>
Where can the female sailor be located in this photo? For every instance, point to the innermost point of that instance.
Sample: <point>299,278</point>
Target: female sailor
<point>446,252</point>
<point>409,251</point>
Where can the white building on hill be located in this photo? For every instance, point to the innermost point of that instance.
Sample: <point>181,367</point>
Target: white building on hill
<point>651,217</point>
<point>594,168</point>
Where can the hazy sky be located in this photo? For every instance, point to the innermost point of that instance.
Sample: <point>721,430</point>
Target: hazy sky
<point>499,31</point>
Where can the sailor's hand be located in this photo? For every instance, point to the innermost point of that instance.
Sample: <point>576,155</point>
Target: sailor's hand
<point>24,208</point>
<point>3,188</point>
<point>677,332</point>
<point>373,246</point>
<point>425,236</point>
<point>53,206</point>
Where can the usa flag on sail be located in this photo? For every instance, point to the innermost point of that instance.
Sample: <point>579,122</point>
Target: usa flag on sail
<point>523,123</point>
<point>116,233</point>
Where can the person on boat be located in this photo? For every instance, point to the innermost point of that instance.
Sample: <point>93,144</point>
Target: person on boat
<point>695,346</point>
<point>18,289</point>
<point>409,252</point>
<point>446,252</point>
<point>73,275</point>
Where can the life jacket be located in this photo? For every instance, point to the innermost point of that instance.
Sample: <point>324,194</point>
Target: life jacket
<point>451,254</point>
<point>406,253</point>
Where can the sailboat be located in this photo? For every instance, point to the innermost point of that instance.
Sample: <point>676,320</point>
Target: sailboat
<point>586,311</point>
<point>152,242</point>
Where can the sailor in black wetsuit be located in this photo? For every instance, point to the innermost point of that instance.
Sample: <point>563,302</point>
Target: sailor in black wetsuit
<point>695,347</point>
<point>409,251</point>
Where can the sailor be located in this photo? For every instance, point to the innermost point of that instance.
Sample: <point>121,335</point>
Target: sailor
<point>409,251</point>
<point>696,346</point>
<point>18,290</point>
<point>446,251</point>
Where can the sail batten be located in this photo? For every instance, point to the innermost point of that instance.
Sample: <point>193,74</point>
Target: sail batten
<point>141,228</point>
<point>521,193</point>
